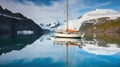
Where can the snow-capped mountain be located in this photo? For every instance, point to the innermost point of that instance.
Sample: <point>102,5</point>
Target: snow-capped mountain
<point>99,13</point>
<point>92,15</point>
<point>53,25</point>
<point>50,26</point>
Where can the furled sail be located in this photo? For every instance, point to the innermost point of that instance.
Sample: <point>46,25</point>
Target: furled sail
<point>73,26</point>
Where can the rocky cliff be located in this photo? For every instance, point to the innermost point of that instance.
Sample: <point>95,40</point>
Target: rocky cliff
<point>14,22</point>
<point>103,25</point>
<point>101,20</point>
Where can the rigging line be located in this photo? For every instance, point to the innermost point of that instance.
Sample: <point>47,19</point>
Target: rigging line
<point>67,60</point>
<point>71,16</point>
<point>72,55</point>
<point>67,14</point>
<point>70,12</point>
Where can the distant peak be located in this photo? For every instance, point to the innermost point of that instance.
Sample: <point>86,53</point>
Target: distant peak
<point>100,13</point>
<point>1,8</point>
<point>94,9</point>
<point>105,10</point>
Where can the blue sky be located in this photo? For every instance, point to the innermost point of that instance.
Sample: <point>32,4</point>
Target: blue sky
<point>38,2</point>
<point>46,11</point>
<point>102,4</point>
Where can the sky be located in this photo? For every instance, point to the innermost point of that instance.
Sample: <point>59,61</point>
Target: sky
<point>47,11</point>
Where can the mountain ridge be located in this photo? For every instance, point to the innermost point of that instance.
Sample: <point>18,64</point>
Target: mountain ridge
<point>90,18</point>
<point>101,20</point>
<point>14,22</point>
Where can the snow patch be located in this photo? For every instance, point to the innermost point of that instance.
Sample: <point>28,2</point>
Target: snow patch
<point>25,32</point>
<point>10,16</point>
<point>53,25</point>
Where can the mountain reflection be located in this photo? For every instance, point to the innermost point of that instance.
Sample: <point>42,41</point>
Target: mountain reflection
<point>8,42</point>
<point>104,38</point>
<point>48,51</point>
<point>91,44</point>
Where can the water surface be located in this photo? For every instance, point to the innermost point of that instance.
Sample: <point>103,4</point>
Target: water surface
<point>47,51</point>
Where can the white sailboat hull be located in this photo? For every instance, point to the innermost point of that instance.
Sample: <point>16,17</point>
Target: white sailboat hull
<point>68,35</point>
<point>65,39</point>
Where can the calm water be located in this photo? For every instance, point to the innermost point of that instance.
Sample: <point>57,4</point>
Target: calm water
<point>46,51</point>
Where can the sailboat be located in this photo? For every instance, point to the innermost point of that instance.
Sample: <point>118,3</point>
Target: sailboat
<point>68,32</point>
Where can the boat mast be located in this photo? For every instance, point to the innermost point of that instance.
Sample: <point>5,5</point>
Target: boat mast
<point>67,15</point>
<point>67,61</point>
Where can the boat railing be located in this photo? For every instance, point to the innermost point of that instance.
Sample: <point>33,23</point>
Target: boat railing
<point>65,32</point>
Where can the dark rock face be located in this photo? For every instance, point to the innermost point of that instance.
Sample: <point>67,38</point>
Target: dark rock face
<point>13,22</point>
<point>84,27</point>
<point>113,29</point>
<point>1,9</point>
<point>102,25</point>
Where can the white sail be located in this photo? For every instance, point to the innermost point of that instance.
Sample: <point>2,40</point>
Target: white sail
<point>73,25</point>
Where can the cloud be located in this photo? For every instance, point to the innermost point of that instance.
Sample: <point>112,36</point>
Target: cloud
<point>37,2</point>
<point>51,11</point>
<point>40,14</point>
<point>80,5</point>
<point>85,4</point>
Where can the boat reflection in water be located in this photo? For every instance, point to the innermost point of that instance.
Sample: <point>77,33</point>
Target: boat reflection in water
<point>67,42</point>
<point>94,46</point>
